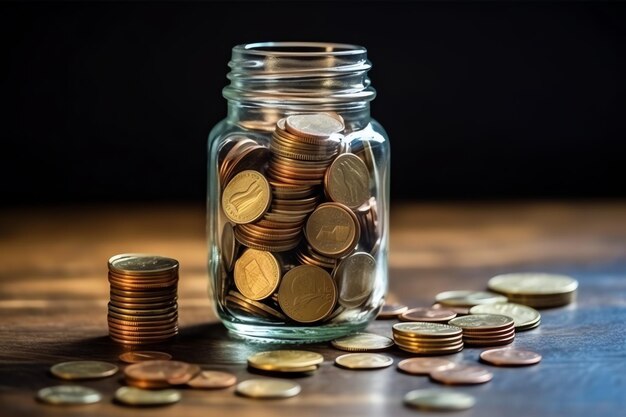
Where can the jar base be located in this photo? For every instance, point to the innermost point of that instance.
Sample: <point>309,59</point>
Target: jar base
<point>292,334</point>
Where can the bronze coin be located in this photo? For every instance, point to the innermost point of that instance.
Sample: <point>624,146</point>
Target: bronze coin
<point>424,366</point>
<point>172,372</point>
<point>462,375</point>
<point>144,355</point>
<point>427,314</point>
<point>391,311</point>
<point>510,357</point>
<point>212,380</point>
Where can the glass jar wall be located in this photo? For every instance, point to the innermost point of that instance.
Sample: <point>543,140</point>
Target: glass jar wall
<point>298,194</point>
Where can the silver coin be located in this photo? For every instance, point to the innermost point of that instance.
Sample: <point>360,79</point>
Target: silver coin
<point>69,394</point>
<point>138,396</point>
<point>268,388</point>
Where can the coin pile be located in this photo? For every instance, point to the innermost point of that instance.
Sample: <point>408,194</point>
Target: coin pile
<point>538,290</point>
<point>485,329</point>
<point>143,294</point>
<point>524,317</point>
<point>428,338</point>
<point>285,361</point>
<point>300,229</point>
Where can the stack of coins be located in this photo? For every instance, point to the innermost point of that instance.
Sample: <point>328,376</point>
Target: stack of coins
<point>428,338</point>
<point>142,307</point>
<point>285,361</point>
<point>292,244</point>
<point>485,329</point>
<point>538,290</point>
<point>524,317</point>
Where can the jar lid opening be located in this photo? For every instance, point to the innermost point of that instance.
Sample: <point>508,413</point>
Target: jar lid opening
<point>300,49</point>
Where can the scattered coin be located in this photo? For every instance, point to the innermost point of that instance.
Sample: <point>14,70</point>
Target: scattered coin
<point>83,370</point>
<point>460,311</point>
<point>144,355</point>
<point>212,380</point>
<point>137,396</point>
<point>524,317</point>
<point>468,298</point>
<point>69,394</point>
<point>362,342</point>
<point>364,361</point>
<point>510,357</point>
<point>391,311</point>
<point>438,400</point>
<point>428,315</point>
<point>268,388</point>
<point>462,375</point>
<point>159,374</point>
<point>539,290</point>
<point>424,366</point>
<point>285,360</point>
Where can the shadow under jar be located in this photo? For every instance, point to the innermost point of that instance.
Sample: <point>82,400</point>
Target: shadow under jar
<point>298,194</point>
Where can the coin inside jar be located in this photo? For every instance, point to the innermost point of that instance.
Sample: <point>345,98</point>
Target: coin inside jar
<point>257,274</point>
<point>246,197</point>
<point>347,181</point>
<point>307,294</point>
<point>355,277</point>
<point>332,230</point>
<point>318,125</point>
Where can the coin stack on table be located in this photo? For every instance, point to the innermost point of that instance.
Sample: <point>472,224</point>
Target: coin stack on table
<point>143,294</point>
<point>428,338</point>
<point>486,329</point>
<point>301,230</point>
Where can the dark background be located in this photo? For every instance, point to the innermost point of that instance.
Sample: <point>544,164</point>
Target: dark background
<point>113,101</point>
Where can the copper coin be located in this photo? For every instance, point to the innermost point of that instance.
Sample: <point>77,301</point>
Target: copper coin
<point>510,357</point>
<point>172,372</point>
<point>496,342</point>
<point>144,355</point>
<point>212,380</point>
<point>424,366</point>
<point>462,375</point>
<point>460,311</point>
<point>427,314</point>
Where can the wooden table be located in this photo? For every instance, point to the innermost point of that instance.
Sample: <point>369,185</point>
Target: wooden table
<point>54,290</point>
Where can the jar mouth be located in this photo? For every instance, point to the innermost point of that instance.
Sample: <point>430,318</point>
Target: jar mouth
<point>304,49</point>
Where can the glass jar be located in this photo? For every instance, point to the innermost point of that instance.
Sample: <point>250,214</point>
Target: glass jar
<point>298,194</point>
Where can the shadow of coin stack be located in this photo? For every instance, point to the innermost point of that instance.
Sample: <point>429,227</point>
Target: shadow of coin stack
<point>142,307</point>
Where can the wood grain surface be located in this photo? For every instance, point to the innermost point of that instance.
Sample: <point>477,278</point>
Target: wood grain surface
<point>54,290</point>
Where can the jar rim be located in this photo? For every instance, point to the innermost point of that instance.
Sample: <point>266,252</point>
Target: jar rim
<point>291,49</point>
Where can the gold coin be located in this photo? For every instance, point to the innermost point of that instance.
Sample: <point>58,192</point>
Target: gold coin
<point>317,125</point>
<point>138,396</point>
<point>423,329</point>
<point>246,197</point>
<point>83,370</point>
<point>531,284</point>
<point>268,388</point>
<point>362,342</point>
<point>212,380</point>
<point>332,230</point>
<point>284,359</point>
<point>229,246</point>
<point>307,294</point>
<point>523,316</point>
<point>347,181</point>
<point>486,322</point>
<point>257,274</point>
<point>438,400</point>
<point>142,264</point>
<point>144,355</point>
<point>355,277</point>
<point>68,394</point>
<point>468,298</point>
<point>363,361</point>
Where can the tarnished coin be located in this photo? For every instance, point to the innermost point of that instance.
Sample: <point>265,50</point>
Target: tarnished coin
<point>170,372</point>
<point>268,388</point>
<point>424,366</point>
<point>363,361</point>
<point>138,396</point>
<point>318,125</point>
<point>212,380</point>
<point>332,230</point>
<point>283,360</point>
<point>428,315</point>
<point>422,329</point>
<point>438,400</point>
<point>246,197</point>
<point>68,394</point>
<point>464,298</point>
<point>257,274</point>
<point>355,277</point>
<point>510,357</point>
<point>523,316</point>
<point>142,264</point>
<point>462,375</point>
<point>533,284</point>
<point>486,322</point>
<point>307,294</point>
<point>362,342</point>
<point>144,355</point>
<point>347,181</point>
<point>83,370</point>
<point>391,311</point>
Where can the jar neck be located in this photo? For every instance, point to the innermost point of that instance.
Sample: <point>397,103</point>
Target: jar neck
<point>271,80</point>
